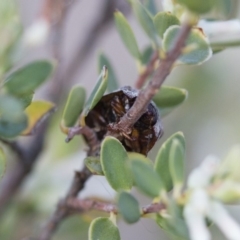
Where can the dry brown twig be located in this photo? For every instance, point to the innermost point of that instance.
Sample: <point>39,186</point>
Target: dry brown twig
<point>146,94</point>
<point>83,205</point>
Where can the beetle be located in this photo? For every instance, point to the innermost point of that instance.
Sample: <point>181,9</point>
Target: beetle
<point>111,107</point>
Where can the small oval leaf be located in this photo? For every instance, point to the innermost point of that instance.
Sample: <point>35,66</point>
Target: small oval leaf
<point>94,165</point>
<point>146,179</point>
<point>162,161</point>
<point>126,34</point>
<point>164,20</point>
<point>103,229</point>
<point>197,49</point>
<point>12,118</point>
<point>138,156</point>
<point>112,79</point>
<point>29,77</point>
<point>146,55</point>
<point>176,161</point>
<point>168,97</point>
<point>2,163</point>
<point>26,99</point>
<point>114,164</point>
<point>37,112</point>
<point>128,207</point>
<point>145,20</point>
<point>97,92</point>
<point>74,106</point>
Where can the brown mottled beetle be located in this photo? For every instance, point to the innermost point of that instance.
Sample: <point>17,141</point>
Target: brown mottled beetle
<point>145,132</point>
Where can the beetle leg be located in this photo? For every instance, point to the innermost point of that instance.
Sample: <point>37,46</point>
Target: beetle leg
<point>132,141</point>
<point>117,106</point>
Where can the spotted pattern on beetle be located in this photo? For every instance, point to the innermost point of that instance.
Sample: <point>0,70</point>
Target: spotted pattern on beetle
<point>145,132</point>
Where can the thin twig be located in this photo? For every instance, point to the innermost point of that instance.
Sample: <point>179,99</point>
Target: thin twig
<point>148,70</point>
<point>145,96</point>
<point>83,205</point>
<point>62,211</point>
<point>79,180</point>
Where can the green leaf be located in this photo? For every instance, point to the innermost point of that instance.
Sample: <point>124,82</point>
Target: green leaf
<point>174,227</point>
<point>26,99</point>
<point>127,34</point>
<point>74,106</point>
<point>94,165</point>
<point>12,118</point>
<point>145,20</point>
<point>97,92</point>
<point>2,163</point>
<point>162,161</point>
<point>114,163</point>
<point>146,179</point>
<point>138,156</point>
<point>128,207</point>
<point>197,49</point>
<point>198,6</point>
<point>146,55</point>
<point>37,112</point>
<point>112,80</point>
<point>168,97</point>
<point>29,77</point>
<point>164,20</point>
<point>176,161</point>
<point>103,229</point>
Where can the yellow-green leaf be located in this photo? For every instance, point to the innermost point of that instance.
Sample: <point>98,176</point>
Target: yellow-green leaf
<point>114,161</point>
<point>37,112</point>
<point>127,34</point>
<point>103,229</point>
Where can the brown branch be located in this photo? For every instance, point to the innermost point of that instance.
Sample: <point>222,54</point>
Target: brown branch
<point>89,204</point>
<point>149,69</point>
<point>79,205</point>
<point>145,96</point>
<point>80,178</point>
